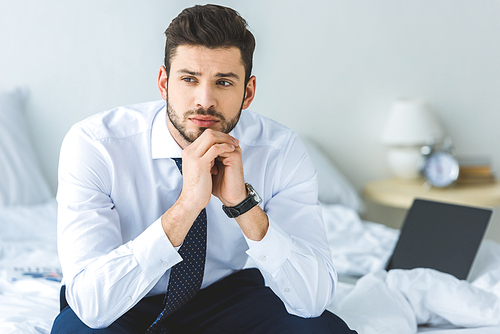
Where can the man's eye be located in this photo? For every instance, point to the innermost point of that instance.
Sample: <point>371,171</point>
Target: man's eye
<point>224,83</point>
<point>188,79</point>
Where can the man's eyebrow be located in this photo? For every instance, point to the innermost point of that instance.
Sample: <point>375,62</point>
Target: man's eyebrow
<point>218,75</point>
<point>228,75</point>
<point>186,71</point>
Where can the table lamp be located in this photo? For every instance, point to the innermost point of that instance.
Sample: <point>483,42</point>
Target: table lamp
<point>411,125</point>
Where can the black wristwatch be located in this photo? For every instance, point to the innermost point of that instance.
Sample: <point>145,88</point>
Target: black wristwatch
<point>252,200</point>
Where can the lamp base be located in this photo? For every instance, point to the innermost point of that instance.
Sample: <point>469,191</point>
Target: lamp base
<point>405,162</point>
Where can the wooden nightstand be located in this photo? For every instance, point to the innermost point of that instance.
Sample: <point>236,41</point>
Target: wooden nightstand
<point>388,200</point>
<point>399,193</point>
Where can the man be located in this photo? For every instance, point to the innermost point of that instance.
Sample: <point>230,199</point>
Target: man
<point>151,242</point>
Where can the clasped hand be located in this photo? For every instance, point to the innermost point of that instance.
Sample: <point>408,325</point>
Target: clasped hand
<point>212,164</point>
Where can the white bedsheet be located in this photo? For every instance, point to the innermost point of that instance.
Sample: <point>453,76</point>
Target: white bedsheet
<point>28,242</point>
<point>400,300</point>
<point>380,302</point>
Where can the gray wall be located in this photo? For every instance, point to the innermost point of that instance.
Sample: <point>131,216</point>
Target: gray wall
<point>327,69</point>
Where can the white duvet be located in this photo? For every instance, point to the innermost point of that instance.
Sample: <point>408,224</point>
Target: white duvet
<point>380,302</point>
<point>399,301</point>
<point>28,241</point>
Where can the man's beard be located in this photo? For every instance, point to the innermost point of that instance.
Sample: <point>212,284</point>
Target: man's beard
<point>179,122</point>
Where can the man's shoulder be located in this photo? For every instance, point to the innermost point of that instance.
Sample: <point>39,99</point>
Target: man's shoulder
<point>257,130</point>
<point>121,122</point>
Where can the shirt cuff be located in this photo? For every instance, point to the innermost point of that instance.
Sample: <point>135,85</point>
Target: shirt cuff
<point>154,251</point>
<point>273,250</point>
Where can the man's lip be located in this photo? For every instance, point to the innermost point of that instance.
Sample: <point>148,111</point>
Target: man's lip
<point>204,121</point>
<point>204,118</point>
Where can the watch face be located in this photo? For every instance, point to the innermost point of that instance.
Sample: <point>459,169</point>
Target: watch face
<point>441,169</point>
<point>253,193</point>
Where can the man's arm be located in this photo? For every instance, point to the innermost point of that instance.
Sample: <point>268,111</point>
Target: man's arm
<point>294,256</point>
<point>104,276</point>
<point>287,239</point>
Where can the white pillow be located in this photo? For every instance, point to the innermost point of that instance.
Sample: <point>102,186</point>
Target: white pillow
<point>21,180</point>
<point>333,187</point>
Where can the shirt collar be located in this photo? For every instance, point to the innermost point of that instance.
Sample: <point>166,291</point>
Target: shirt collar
<point>163,145</point>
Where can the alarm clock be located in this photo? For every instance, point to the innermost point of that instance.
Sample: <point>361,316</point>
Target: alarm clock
<point>440,167</point>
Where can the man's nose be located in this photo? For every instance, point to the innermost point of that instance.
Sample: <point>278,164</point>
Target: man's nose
<point>205,98</point>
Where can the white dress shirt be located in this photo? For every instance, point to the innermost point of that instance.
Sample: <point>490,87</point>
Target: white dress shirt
<point>117,178</point>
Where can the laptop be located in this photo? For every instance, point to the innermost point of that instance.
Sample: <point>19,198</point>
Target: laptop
<point>441,236</point>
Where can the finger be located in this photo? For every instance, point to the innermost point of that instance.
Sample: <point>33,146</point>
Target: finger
<point>235,154</point>
<point>207,161</point>
<point>218,150</point>
<point>209,138</point>
<point>215,168</point>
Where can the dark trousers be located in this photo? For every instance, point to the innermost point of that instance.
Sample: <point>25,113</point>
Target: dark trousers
<point>237,304</point>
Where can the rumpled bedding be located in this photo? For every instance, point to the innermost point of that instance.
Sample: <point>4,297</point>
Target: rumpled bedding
<point>399,301</point>
<point>28,243</point>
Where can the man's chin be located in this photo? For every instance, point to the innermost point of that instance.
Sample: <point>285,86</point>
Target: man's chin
<point>195,132</point>
<point>199,130</point>
<point>192,135</point>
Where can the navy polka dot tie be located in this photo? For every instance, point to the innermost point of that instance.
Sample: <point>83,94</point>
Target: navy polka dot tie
<point>187,275</point>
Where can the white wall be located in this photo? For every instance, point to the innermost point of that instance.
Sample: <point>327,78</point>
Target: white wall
<point>327,69</point>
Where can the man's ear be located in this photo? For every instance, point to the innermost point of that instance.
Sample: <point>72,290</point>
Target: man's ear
<point>249,92</point>
<point>162,82</point>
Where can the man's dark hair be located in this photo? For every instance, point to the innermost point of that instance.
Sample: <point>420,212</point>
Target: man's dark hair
<point>211,26</point>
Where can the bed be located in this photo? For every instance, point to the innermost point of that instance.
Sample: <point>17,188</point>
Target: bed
<point>370,299</point>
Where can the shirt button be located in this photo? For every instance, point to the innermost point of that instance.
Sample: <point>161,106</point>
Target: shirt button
<point>164,263</point>
<point>286,289</point>
<point>262,258</point>
<point>129,299</point>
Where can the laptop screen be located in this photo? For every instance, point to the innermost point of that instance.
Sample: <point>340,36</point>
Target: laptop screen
<point>440,236</point>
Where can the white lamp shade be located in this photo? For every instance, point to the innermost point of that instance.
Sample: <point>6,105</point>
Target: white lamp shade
<point>411,122</point>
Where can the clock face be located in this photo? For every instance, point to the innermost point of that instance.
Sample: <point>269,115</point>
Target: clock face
<point>441,169</point>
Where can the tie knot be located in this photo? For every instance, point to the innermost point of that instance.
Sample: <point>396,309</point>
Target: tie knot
<point>178,162</point>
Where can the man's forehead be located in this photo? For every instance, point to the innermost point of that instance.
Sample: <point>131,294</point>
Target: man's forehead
<point>202,60</point>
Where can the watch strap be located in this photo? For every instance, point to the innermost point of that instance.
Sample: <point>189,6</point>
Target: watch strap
<point>252,200</point>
